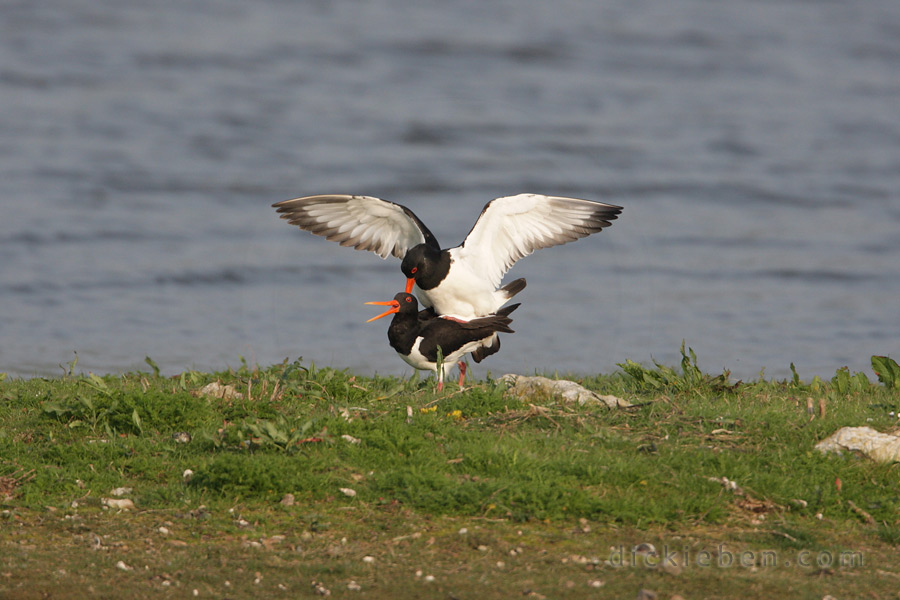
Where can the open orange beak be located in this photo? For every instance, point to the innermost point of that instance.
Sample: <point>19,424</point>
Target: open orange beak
<point>410,282</point>
<point>394,307</point>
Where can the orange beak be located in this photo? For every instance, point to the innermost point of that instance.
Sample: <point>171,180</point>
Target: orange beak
<point>410,282</point>
<point>394,307</point>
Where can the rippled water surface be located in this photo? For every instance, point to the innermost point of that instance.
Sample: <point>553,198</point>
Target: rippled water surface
<point>754,145</point>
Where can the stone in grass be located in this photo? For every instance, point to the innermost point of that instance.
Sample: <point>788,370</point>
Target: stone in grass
<point>880,447</point>
<point>119,503</point>
<point>534,389</point>
<point>217,390</point>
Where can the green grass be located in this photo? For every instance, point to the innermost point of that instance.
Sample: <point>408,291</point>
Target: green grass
<point>386,467</point>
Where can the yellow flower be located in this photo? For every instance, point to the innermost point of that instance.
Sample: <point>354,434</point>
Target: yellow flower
<point>456,414</point>
<point>430,409</point>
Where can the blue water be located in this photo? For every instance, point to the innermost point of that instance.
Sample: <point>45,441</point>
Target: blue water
<point>754,145</point>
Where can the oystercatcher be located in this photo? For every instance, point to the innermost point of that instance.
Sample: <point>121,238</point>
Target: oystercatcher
<point>417,336</point>
<point>462,281</point>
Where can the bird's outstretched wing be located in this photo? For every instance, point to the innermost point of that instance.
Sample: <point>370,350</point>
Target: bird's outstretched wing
<point>361,222</point>
<point>512,227</point>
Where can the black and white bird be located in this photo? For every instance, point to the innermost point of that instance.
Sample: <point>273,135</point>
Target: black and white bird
<point>463,281</point>
<point>419,337</point>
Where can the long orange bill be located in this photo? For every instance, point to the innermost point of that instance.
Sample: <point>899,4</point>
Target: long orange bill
<point>394,307</point>
<point>410,282</point>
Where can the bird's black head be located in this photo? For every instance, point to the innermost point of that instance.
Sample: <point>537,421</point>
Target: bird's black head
<point>413,264</point>
<point>407,302</point>
<point>402,304</point>
<point>425,266</point>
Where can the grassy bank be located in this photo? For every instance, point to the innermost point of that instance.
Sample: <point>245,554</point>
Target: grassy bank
<point>297,480</point>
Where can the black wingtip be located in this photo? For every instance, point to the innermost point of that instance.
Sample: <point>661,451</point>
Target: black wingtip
<point>483,352</point>
<point>506,310</point>
<point>514,287</point>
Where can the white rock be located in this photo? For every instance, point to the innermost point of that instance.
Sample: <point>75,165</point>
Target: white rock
<point>120,503</point>
<point>567,391</point>
<point>348,492</point>
<point>880,447</point>
<point>217,390</point>
<point>123,567</point>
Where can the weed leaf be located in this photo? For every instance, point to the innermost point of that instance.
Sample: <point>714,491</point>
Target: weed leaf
<point>888,371</point>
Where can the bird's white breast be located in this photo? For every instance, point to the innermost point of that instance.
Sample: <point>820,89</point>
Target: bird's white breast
<point>463,293</point>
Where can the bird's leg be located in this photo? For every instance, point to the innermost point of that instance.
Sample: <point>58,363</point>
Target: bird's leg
<point>462,373</point>
<point>440,385</point>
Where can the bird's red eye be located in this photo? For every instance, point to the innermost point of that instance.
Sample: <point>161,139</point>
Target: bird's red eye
<point>409,299</point>
<point>414,269</point>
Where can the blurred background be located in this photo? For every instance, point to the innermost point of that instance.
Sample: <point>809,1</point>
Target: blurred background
<point>755,146</point>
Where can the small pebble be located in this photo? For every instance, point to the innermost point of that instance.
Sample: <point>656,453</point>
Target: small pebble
<point>368,559</point>
<point>429,578</point>
<point>321,589</point>
<point>353,586</point>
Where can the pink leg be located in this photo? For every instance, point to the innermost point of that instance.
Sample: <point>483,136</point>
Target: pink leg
<point>440,385</point>
<point>462,373</point>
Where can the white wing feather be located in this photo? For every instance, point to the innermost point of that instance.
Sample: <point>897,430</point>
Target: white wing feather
<point>512,227</point>
<point>361,222</point>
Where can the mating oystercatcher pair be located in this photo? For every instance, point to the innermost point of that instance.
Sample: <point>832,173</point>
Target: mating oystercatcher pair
<point>460,285</point>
